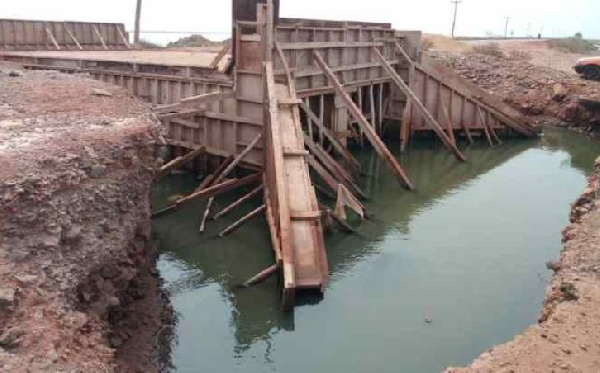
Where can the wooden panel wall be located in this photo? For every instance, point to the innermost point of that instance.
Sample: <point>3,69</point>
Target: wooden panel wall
<point>346,49</point>
<point>32,35</point>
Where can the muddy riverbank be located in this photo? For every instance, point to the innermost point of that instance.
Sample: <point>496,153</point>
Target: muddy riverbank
<point>79,288</point>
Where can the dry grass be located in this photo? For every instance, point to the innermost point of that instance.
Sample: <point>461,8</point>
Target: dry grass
<point>489,49</point>
<point>520,55</point>
<point>575,44</point>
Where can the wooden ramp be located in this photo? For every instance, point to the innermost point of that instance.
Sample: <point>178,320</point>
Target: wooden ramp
<point>292,207</point>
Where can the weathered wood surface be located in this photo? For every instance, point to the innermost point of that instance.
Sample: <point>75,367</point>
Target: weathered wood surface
<point>437,86</point>
<point>367,128</point>
<point>432,123</point>
<point>18,34</point>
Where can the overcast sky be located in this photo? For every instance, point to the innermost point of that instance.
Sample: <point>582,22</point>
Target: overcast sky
<point>212,17</point>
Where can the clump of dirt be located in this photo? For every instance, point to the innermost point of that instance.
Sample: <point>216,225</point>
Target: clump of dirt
<point>192,41</point>
<point>568,333</point>
<point>79,289</point>
<point>542,93</point>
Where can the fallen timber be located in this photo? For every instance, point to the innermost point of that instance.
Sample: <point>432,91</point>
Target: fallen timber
<point>302,93</point>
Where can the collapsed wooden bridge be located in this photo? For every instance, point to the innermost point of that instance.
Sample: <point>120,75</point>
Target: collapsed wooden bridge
<point>299,93</point>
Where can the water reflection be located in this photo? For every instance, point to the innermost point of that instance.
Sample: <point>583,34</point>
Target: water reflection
<point>193,261</point>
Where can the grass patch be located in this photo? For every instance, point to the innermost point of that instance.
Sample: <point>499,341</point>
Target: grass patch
<point>574,44</point>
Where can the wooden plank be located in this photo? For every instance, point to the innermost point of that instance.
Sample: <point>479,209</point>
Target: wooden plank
<point>210,192</point>
<point>202,99</point>
<point>235,226</point>
<point>283,213</point>
<point>433,124</point>
<point>99,36</point>
<point>485,126</point>
<point>123,38</point>
<point>239,202</point>
<point>340,149</point>
<point>68,31</point>
<point>326,45</point>
<point>222,53</point>
<point>52,38</point>
<point>379,146</point>
<point>180,161</point>
<point>225,173</point>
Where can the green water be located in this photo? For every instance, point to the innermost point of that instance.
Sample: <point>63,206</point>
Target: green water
<point>467,251</point>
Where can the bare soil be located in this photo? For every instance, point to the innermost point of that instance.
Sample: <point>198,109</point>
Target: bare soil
<point>79,291</point>
<point>546,95</point>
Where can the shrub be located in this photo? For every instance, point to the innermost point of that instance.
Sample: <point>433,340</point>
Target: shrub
<point>574,44</point>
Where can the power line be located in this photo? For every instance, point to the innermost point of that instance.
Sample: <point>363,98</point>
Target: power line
<point>455,2</point>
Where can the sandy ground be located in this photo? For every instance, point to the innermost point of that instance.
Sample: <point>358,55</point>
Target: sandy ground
<point>79,290</point>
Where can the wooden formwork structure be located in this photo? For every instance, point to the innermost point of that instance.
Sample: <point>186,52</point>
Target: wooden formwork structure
<point>39,35</point>
<point>300,92</point>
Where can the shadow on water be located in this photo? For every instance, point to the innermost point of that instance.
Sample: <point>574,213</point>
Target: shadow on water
<point>202,271</point>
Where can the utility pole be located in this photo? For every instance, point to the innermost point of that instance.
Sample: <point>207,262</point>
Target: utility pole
<point>506,28</point>
<point>138,16</point>
<point>455,2</point>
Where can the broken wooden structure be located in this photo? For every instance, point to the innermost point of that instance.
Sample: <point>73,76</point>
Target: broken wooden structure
<point>18,34</point>
<point>301,92</point>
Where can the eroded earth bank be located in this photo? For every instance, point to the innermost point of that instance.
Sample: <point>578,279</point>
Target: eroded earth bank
<point>79,291</point>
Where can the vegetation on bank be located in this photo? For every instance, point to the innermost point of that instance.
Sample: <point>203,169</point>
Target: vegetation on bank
<point>574,44</point>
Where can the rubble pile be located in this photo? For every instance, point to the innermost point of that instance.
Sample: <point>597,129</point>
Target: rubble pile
<point>547,95</point>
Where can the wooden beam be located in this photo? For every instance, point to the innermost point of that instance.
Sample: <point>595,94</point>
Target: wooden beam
<point>261,277</point>
<point>52,38</point>
<point>340,149</point>
<point>210,179</point>
<point>99,36</point>
<point>235,226</point>
<point>377,143</point>
<point>484,125</point>
<point>239,202</point>
<point>449,124</point>
<point>202,99</point>
<point>210,192</point>
<point>123,38</point>
<point>72,36</point>
<point>433,124</point>
<point>222,53</point>
<point>328,44</point>
<point>333,167</point>
<point>225,173</point>
<point>180,161</point>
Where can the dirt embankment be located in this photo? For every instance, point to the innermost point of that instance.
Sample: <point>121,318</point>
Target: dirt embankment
<point>79,291</point>
<point>547,95</point>
<point>567,337</point>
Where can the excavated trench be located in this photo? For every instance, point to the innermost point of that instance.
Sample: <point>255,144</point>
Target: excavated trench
<point>79,288</point>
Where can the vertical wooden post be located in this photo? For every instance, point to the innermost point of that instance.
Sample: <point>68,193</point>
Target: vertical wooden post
<point>138,17</point>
